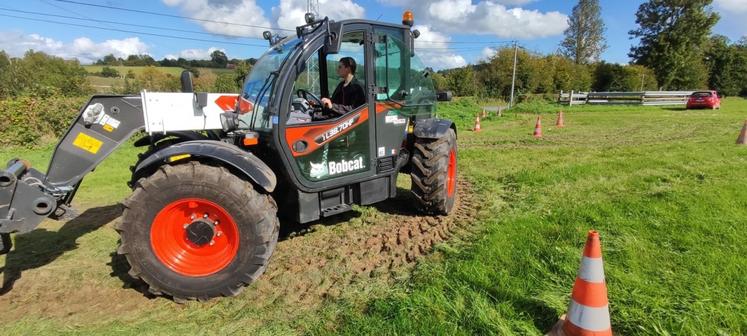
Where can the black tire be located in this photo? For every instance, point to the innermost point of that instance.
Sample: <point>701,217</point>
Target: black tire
<point>431,184</point>
<point>253,213</point>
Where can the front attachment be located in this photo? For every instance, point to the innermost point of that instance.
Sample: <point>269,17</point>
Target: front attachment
<point>23,204</point>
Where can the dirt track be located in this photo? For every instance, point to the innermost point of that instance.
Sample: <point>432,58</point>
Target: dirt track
<point>310,264</point>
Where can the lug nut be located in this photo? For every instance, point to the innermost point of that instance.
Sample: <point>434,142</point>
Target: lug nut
<point>205,216</point>
<point>216,223</point>
<point>193,216</point>
<point>185,225</point>
<point>212,242</point>
<point>218,234</point>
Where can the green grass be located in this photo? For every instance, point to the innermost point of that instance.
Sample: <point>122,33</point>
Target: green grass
<point>665,187</point>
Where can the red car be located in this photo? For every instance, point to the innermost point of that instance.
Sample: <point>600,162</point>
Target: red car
<point>704,99</point>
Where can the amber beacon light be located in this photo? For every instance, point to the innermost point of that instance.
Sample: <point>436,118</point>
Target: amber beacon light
<point>407,18</point>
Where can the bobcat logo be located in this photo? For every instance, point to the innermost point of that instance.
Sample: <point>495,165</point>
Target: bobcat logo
<point>318,170</point>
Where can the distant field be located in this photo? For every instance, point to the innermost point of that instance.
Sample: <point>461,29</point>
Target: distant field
<point>665,187</point>
<point>105,84</point>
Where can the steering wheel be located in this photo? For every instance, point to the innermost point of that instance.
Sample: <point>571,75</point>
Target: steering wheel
<point>312,98</point>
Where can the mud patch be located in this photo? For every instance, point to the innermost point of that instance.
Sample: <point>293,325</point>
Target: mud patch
<point>382,244</point>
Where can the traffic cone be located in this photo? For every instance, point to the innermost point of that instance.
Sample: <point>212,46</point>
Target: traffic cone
<point>588,312</point>
<point>477,124</point>
<point>538,128</point>
<point>742,139</point>
<point>560,123</point>
<point>484,113</point>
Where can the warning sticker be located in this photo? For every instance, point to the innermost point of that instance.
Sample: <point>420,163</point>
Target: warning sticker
<point>108,128</point>
<point>87,143</point>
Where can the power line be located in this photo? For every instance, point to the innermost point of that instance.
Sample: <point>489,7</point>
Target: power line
<point>468,42</point>
<point>134,32</point>
<point>169,15</point>
<point>127,24</point>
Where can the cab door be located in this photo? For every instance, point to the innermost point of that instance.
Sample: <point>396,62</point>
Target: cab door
<point>339,151</point>
<point>390,64</point>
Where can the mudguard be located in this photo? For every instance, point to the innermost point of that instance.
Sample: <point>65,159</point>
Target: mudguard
<point>245,162</point>
<point>433,128</point>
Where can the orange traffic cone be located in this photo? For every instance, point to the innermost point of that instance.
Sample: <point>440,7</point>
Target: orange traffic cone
<point>588,313</point>
<point>477,124</point>
<point>538,128</point>
<point>742,139</point>
<point>560,123</point>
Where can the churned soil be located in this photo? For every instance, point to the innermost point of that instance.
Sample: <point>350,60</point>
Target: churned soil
<point>79,280</point>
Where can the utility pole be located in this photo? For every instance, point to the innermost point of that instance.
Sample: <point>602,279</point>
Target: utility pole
<point>513,78</point>
<point>312,6</point>
<point>643,80</point>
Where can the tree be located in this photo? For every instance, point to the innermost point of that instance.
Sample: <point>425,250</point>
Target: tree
<point>584,39</point>
<point>671,34</point>
<point>727,66</point>
<point>219,59</point>
<point>461,81</point>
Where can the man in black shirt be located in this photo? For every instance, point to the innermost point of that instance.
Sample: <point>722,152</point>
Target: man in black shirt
<point>349,94</point>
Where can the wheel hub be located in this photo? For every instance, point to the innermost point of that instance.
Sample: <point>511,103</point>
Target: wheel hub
<point>194,237</point>
<point>201,232</point>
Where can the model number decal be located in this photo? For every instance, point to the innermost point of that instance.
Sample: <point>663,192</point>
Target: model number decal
<point>334,131</point>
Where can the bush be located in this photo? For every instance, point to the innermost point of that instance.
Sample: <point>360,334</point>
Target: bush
<point>38,74</point>
<point>31,121</point>
<point>109,72</point>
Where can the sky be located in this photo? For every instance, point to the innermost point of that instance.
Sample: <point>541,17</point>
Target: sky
<point>453,32</point>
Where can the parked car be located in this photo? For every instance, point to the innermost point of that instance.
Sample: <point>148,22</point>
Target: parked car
<point>704,99</point>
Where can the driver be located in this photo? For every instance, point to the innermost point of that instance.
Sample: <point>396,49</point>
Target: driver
<point>349,93</point>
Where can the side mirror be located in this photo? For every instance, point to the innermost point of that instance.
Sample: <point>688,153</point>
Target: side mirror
<point>186,79</point>
<point>444,96</point>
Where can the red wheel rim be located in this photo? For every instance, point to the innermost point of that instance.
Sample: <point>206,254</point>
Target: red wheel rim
<point>451,174</point>
<point>169,241</point>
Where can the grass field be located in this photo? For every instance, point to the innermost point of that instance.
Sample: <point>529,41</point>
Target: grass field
<point>103,84</point>
<point>666,188</point>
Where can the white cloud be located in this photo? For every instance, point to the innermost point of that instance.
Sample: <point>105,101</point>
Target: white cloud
<point>82,48</point>
<point>194,54</point>
<point>290,13</point>
<point>732,5</point>
<point>488,53</point>
<point>486,17</point>
<point>433,50</point>
<point>421,2</point>
<point>248,17</point>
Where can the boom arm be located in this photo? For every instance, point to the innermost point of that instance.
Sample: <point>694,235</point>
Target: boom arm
<point>27,196</point>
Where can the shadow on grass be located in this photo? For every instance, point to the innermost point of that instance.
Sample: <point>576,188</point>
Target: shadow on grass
<point>41,247</point>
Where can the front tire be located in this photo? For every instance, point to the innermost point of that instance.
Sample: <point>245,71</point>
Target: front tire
<point>434,173</point>
<point>195,231</point>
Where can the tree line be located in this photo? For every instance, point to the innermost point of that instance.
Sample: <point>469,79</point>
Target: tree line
<point>676,51</point>
<point>38,74</point>
<point>218,59</point>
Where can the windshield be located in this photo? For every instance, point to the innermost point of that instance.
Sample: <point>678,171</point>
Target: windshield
<point>260,83</point>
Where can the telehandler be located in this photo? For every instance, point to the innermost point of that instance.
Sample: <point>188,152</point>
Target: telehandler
<point>202,220</point>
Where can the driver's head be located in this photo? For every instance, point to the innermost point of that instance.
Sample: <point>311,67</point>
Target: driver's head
<point>346,67</point>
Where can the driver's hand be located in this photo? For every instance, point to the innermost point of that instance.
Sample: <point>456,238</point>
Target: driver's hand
<point>326,102</point>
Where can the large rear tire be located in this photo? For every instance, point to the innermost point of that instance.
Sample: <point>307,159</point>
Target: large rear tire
<point>195,231</point>
<point>434,173</point>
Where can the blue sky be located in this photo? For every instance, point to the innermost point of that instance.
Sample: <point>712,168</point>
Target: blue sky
<point>475,25</point>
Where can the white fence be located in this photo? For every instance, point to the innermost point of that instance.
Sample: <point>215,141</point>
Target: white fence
<point>625,98</point>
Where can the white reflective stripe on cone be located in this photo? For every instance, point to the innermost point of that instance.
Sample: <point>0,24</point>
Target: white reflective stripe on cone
<point>589,318</point>
<point>592,270</point>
